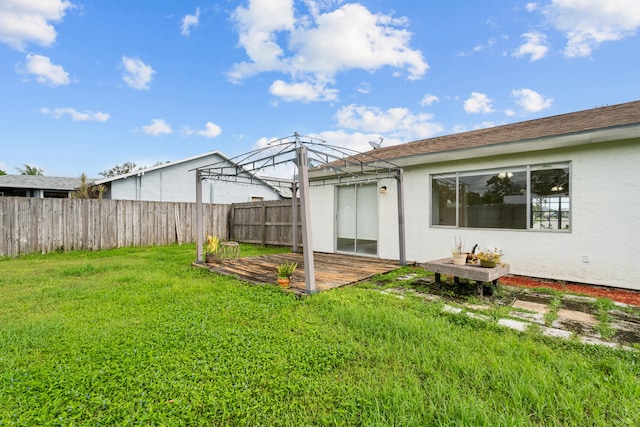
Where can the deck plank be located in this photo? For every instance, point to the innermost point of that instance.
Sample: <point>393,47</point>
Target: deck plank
<point>332,270</point>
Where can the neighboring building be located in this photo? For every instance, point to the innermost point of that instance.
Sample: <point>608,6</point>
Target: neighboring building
<point>37,186</point>
<point>559,195</point>
<point>175,182</point>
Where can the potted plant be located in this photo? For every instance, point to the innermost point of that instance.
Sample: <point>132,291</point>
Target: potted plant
<point>489,258</point>
<point>285,271</point>
<point>458,253</point>
<point>211,249</point>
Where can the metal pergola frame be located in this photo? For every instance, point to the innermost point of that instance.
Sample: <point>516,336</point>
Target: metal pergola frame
<point>334,165</point>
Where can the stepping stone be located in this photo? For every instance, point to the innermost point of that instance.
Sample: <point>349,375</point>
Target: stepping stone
<point>478,307</point>
<point>531,306</point>
<point>428,297</point>
<point>577,316</point>
<point>558,333</point>
<point>450,309</point>
<point>531,317</point>
<point>597,341</point>
<point>579,298</point>
<point>514,324</point>
<point>478,316</point>
<point>393,292</point>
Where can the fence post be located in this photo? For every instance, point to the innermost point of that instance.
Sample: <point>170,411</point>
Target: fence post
<point>263,224</point>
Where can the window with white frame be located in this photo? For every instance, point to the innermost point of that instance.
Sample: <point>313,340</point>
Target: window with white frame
<point>533,197</point>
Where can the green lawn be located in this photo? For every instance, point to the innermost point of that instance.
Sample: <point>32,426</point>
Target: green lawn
<point>139,337</point>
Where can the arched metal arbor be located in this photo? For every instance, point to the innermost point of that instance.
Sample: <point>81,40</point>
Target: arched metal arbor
<point>334,165</point>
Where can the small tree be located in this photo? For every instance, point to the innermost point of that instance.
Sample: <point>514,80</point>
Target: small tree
<point>2,172</point>
<point>126,167</point>
<point>119,170</point>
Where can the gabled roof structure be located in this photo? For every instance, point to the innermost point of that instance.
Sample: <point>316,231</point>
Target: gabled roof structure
<point>229,162</point>
<point>594,125</point>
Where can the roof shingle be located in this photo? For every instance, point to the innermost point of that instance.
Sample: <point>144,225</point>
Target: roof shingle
<point>564,124</point>
<point>40,182</point>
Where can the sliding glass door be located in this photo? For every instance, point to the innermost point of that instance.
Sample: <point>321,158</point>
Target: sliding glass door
<point>357,219</point>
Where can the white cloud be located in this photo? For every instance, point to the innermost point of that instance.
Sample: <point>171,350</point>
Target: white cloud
<point>352,37</point>
<point>211,130</point>
<point>77,116</point>
<point>588,23</point>
<point>45,71</point>
<point>314,48</point>
<point>536,46</point>
<point>157,127</point>
<point>23,22</point>
<point>478,103</point>
<point>531,101</point>
<point>189,21</point>
<point>258,26</point>
<point>305,91</point>
<point>137,74</point>
<point>428,100</point>
<point>364,88</point>
<point>530,7</point>
<point>394,122</point>
<point>490,43</point>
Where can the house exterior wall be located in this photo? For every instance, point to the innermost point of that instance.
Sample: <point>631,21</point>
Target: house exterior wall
<point>177,183</point>
<point>322,203</point>
<point>599,249</point>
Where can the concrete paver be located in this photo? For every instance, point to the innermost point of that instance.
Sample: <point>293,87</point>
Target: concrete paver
<point>577,316</point>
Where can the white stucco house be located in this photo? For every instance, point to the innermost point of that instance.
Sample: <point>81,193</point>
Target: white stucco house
<point>175,182</point>
<point>559,195</point>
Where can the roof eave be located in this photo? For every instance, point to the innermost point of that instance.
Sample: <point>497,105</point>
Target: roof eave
<point>522,146</point>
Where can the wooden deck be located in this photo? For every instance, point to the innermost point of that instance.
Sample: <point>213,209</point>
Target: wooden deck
<point>332,270</point>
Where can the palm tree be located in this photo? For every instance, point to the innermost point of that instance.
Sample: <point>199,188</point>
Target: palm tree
<point>30,170</point>
<point>88,190</point>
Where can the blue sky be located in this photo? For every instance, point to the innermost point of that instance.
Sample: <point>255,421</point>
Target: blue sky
<point>87,85</point>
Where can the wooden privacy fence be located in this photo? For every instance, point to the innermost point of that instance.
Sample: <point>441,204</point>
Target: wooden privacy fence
<point>264,223</point>
<point>30,224</point>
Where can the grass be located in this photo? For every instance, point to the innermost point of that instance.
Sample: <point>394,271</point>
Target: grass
<point>554,306</point>
<point>604,305</point>
<point>139,337</point>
